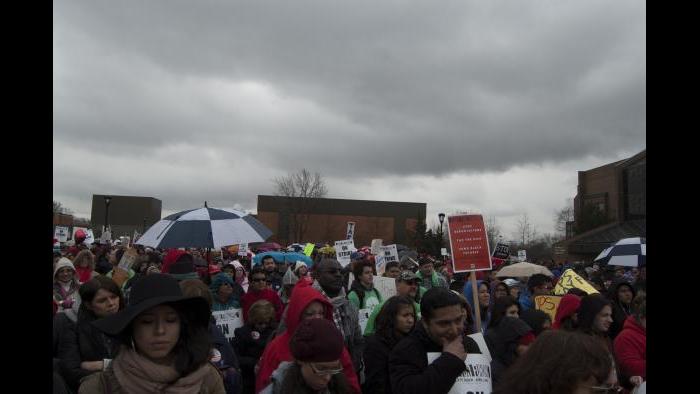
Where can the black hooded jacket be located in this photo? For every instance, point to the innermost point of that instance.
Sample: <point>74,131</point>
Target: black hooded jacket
<point>620,311</point>
<point>502,342</point>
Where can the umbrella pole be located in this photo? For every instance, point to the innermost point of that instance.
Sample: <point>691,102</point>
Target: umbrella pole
<point>475,295</point>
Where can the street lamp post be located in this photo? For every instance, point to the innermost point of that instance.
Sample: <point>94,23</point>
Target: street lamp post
<point>108,199</point>
<point>441,218</point>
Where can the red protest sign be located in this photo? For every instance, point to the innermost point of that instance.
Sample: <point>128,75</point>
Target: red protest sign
<point>469,243</point>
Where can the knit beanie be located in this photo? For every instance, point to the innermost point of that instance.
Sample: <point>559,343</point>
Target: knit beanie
<point>316,340</point>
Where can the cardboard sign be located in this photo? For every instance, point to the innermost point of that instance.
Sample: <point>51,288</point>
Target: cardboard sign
<point>351,230</point>
<point>61,233</point>
<point>548,304</point>
<point>469,243</point>
<point>385,255</point>
<point>343,250</point>
<point>522,255</point>
<point>570,279</point>
<point>364,318</point>
<point>228,321</point>
<point>502,251</point>
<point>309,248</point>
<point>385,286</point>
<point>375,245</point>
<point>243,249</point>
<point>475,379</point>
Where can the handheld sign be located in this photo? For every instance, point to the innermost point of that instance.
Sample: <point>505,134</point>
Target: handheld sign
<point>243,249</point>
<point>343,250</point>
<point>548,304</point>
<point>570,279</point>
<point>475,379</point>
<point>363,315</point>
<point>61,233</point>
<point>385,286</point>
<point>376,244</point>
<point>351,230</point>
<point>522,255</point>
<point>386,254</point>
<point>468,243</point>
<point>443,251</point>
<point>309,248</point>
<point>228,321</point>
<point>501,251</point>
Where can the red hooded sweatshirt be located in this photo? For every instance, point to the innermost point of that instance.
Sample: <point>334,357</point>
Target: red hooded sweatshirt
<point>631,349</point>
<point>278,351</point>
<point>265,294</point>
<point>568,305</point>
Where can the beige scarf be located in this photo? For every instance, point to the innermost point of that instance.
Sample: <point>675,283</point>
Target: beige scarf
<point>136,374</point>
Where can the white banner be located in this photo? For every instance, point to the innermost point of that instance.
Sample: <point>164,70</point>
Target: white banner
<point>243,249</point>
<point>385,286</point>
<point>475,379</point>
<point>522,255</point>
<point>343,250</point>
<point>376,244</point>
<point>385,255</point>
<point>228,321</point>
<point>61,233</point>
<point>364,317</point>
<point>350,233</point>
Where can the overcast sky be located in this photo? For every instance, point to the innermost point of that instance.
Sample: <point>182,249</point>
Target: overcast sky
<point>485,106</point>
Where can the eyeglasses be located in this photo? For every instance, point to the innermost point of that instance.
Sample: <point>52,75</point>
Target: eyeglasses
<point>606,389</point>
<point>325,372</point>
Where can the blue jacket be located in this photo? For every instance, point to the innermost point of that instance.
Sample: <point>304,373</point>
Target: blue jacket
<point>470,299</point>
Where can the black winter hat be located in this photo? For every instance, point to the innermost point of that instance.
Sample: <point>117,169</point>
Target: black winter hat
<point>316,340</point>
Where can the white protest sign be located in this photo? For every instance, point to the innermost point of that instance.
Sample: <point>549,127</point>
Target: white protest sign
<point>376,244</point>
<point>385,286</point>
<point>479,339</point>
<point>243,249</point>
<point>351,230</point>
<point>385,255</point>
<point>522,255</point>
<point>475,379</point>
<point>61,233</point>
<point>343,250</point>
<point>90,238</point>
<point>443,251</point>
<point>228,321</point>
<point>364,317</point>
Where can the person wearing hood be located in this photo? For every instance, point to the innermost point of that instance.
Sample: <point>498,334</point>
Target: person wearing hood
<point>485,302</point>
<point>329,282</point>
<point>507,341</point>
<point>441,330</point>
<point>289,280</point>
<point>301,270</point>
<point>226,293</point>
<point>430,278</point>
<point>513,287</point>
<point>305,303</point>
<point>502,307</point>
<point>84,264</point>
<point>499,289</point>
<point>538,320</point>
<point>630,346</point>
<point>240,275</point>
<point>621,294</point>
<point>566,317</point>
<point>258,290</point>
<point>595,318</point>
<point>65,287</point>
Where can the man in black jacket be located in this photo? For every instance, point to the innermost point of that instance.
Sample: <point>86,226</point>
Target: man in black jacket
<point>441,330</point>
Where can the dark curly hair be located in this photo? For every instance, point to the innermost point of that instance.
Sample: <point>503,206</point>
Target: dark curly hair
<point>385,323</point>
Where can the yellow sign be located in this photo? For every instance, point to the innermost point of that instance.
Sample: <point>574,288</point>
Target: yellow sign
<point>547,304</point>
<point>570,279</point>
<point>309,249</point>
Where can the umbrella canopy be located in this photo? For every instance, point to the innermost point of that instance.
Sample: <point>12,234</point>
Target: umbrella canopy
<point>520,270</point>
<point>204,228</point>
<point>268,246</point>
<point>627,252</point>
<point>281,257</point>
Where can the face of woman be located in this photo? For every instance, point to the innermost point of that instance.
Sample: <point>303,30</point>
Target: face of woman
<point>64,274</point>
<point>156,332</point>
<point>405,319</point>
<point>318,375</point>
<point>239,273</point>
<point>603,319</point>
<point>500,291</point>
<point>303,271</point>
<point>624,294</point>
<point>484,296</point>
<point>512,311</point>
<point>514,292</point>
<point>366,277</point>
<point>225,291</point>
<point>104,303</point>
<point>314,310</point>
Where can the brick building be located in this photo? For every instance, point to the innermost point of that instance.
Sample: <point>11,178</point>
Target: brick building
<point>126,214</point>
<point>325,219</point>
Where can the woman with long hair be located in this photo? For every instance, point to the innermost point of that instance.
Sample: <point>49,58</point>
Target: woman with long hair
<point>84,264</point>
<point>503,306</point>
<point>165,344</point>
<point>86,349</point>
<point>395,320</point>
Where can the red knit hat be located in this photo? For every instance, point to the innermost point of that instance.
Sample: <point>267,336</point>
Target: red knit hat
<point>316,340</point>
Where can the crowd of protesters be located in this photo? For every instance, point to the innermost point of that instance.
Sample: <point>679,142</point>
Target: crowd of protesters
<point>152,329</point>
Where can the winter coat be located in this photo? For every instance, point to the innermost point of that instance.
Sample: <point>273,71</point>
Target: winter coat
<point>84,342</point>
<point>370,298</point>
<point>59,293</point>
<point>436,280</point>
<point>350,320</point>
<point>502,342</point>
<point>275,279</point>
<point>265,294</point>
<point>223,346</point>
<point>234,301</point>
<point>568,305</point>
<point>631,350</point>
<point>376,358</point>
<point>410,372</point>
<point>620,311</point>
<point>249,345</point>
<point>278,350</point>
<point>62,326</point>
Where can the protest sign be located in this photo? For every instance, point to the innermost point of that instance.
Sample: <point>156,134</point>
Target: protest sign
<point>443,251</point>
<point>548,304</point>
<point>375,245</point>
<point>385,286</point>
<point>364,317</point>
<point>522,255</point>
<point>475,379</point>
<point>570,279</point>
<point>501,251</point>
<point>469,243</point>
<point>243,249</point>
<point>385,255</point>
<point>309,248</point>
<point>228,321</point>
<point>61,233</point>
<point>351,230</point>
<point>479,339</point>
<point>90,237</point>
<point>343,250</point>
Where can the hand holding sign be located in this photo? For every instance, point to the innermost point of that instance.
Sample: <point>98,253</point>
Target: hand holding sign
<point>119,276</point>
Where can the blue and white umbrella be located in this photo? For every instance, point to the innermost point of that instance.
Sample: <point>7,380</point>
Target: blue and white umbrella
<point>627,252</point>
<point>205,228</point>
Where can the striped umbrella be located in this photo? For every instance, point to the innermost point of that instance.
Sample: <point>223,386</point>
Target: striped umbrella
<point>628,252</point>
<point>205,228</point>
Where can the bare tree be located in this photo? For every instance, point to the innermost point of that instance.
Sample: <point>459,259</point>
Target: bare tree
<point>493,232</point>
<point>302,187</point>
<point>561,217</point>
<point>60,209</point>
<point>525,231</point>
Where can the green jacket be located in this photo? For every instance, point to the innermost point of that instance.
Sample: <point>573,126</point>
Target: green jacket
<point>369,329</point>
